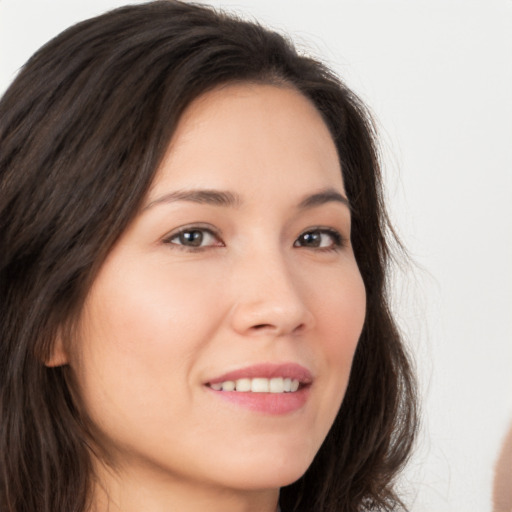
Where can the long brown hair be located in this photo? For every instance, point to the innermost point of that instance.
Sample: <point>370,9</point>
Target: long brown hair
<point>83,129</point>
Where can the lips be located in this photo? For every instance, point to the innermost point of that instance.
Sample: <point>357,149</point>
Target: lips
<point>291,371</point>
<point>267,388</point>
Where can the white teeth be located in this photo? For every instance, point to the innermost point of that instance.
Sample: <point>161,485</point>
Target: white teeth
<point>228,385</point>
<point>277,385</point>
<point>258,385</point>
<point>243,385</point>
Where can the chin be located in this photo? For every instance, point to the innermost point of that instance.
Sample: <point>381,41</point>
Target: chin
<point>273,471</point>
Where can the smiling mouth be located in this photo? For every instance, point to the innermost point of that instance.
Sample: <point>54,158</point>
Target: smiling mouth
<point>268,388</point>
<point>259,385</point>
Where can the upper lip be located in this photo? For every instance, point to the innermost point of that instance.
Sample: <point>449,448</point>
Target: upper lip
<point>267,370</point>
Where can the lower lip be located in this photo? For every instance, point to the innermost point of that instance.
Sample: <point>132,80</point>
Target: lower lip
<point>269,403</point>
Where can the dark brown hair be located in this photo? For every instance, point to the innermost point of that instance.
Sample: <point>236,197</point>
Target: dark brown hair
<point>83,129</point>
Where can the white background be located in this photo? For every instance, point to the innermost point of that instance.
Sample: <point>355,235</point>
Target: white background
<point>438,76</point>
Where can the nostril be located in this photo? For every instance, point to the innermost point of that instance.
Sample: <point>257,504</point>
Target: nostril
<point>266,317</point>
<point>261,327</point>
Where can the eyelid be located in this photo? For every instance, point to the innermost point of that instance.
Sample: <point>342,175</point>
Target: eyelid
<point>339,239</point>
<point>167,239</point>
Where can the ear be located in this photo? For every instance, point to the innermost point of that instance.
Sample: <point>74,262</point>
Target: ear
<point>58,355</point>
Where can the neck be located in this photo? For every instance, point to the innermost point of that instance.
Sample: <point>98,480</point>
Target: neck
<point>144,490</point>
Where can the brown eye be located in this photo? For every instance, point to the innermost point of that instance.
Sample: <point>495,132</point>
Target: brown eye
<point>194,238</point>
<point>191,238</point>
<point>319,239</point>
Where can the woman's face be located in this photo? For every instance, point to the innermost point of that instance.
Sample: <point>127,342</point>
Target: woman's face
<point>237,273</point>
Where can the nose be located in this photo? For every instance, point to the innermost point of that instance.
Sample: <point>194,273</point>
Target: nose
<point>268,299</point>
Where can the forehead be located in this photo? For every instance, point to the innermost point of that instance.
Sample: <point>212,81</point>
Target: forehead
<point>251,135</point>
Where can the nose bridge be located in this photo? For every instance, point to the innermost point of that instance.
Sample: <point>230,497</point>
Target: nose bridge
<point>268,295</point>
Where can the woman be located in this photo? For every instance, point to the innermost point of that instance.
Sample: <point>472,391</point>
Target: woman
<point>193,269</point>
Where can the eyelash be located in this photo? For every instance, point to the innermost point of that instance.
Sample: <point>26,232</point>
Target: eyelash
<point>191,229</point>
<point>338,240</point>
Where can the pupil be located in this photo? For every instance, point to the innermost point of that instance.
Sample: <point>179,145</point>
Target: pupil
<point>311,239</point>
<point>191,238</point>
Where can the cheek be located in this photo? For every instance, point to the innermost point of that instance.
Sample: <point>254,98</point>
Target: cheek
<point>340,313</point>
<point>142,333</point>
<point>153,306</point>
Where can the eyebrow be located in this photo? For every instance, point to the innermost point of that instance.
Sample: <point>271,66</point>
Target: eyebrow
<point>200,196</point>
<point>229,199</point>
<point>327,195</point>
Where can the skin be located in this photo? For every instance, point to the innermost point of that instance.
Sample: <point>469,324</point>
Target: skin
<point>502,490</point>
<point>162,318</point>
